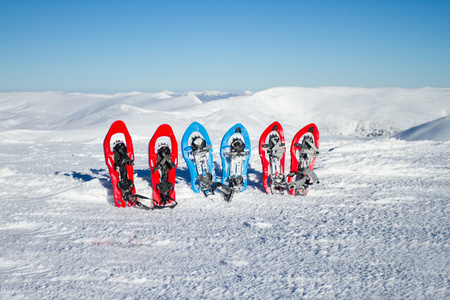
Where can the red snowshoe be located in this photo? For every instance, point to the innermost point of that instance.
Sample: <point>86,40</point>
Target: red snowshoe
<point>272,150</point>
<point>304,151</point>
<point>163,160</point>
<point>119,157</point>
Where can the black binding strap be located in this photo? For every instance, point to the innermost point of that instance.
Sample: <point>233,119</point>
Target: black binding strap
<point>121,161</point>
<point>164,164</point>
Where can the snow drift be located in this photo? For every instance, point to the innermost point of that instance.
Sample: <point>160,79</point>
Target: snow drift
<point>437,130</point>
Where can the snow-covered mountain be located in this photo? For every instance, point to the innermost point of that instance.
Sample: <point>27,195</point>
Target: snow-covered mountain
<point>336,110</point>
<point>377,225</point>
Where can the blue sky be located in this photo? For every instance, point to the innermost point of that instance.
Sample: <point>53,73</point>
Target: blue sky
<point>120,46</point>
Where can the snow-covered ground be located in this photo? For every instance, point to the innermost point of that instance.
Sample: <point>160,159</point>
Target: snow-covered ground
<point>377,225</point>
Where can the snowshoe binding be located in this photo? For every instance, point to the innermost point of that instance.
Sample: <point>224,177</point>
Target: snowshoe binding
<point>121,162</point>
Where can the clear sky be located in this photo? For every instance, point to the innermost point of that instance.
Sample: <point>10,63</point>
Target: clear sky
<point>136,45</point>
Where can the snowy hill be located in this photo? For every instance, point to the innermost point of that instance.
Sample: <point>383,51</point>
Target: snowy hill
<point>437,130</point>
<point>342,111</point>
<point>377,226</point>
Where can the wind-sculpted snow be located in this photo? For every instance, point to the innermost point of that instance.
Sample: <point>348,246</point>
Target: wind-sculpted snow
<point>437,130</point>
<point>377,225</point>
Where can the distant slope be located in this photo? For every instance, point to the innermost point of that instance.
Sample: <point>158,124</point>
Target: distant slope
<point>61,111</point>
<point>360,111</point>
<point>437,130</point>
<point>336,110</point>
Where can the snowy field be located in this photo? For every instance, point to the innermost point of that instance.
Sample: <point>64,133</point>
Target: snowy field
<point>376,227</point>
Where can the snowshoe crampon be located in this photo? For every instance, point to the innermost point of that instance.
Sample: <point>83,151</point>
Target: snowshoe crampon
<point>272,150</point>
<point>304,151</point>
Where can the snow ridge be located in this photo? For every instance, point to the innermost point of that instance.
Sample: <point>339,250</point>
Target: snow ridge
<point>437,130</point>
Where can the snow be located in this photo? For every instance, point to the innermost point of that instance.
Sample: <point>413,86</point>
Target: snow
<point>436,130</point>
<point>377,225</point>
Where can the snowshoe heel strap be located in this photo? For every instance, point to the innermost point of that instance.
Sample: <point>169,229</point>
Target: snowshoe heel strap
<point>295,185</point>
<point>125,184</point>
<point>308,177</point>
<point>206,183</point>
<point>228,192</point>
<point>236,181</point>
<point>312,175</point>
<point>164,187</point>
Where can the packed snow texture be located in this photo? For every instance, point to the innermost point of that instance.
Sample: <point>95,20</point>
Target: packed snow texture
<point>377,225</point>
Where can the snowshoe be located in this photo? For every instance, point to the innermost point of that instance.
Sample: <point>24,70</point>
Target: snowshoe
<point>304,151</point>
<point>272,150</point>
<point>235,152</point>
<point>163,160</point>
<point>197,152</point>
<point>119,157</point>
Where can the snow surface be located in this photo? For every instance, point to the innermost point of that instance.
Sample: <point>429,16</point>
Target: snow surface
<point>377,225</point>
